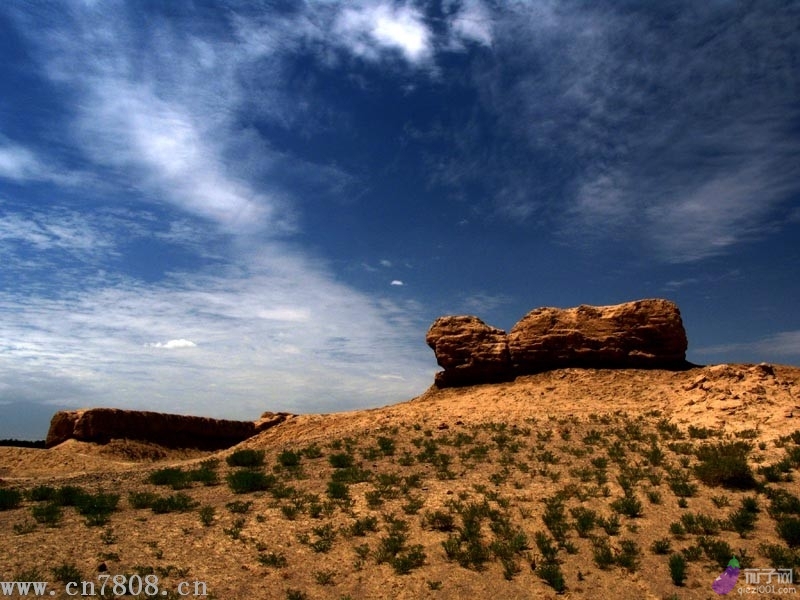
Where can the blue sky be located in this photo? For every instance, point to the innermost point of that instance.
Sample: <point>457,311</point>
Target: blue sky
<point>223,208</point>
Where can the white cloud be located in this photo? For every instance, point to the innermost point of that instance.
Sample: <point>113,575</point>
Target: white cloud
<point>173,344</point>
<point>274,329</point>
<point>397,282</point>
<point>782,344</point>
<point>22,164</point>
<point>281,334</point>
<point>386,263</point>
<point>682,155</point>
<point>19,164</point>
<point>57,229</point>
<point>369,29</point>
<point>471,21</point>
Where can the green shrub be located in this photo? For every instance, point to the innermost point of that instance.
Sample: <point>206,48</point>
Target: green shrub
<point>552,574</point>
<point>312,451</point>
<point>340,460</point>
<point>789,530</point>
<point>718,551</point>
<point>42,493</point>
<point>681,486</point>
<point>692,553</point>
<point>246,457</point>
<point>67,573</point>
<point>386,445</point>
<point>325,536</point>
<point>413,505</point>
<point>547,548</point>
<point>741,521</point>
<point>351,474</point>
<point>782,503</point>
<point>725,464</point>
<point>206,473</point>
<point>654,496</point>
<point>407,560</point>
<point>97,507</point>
<point>179,502</point>
<point>70,495</point>
<point>661,546</point>
<point>700,524</point>
<point>721,501</point>
<point>289,459</point>
<point>243,481</point>
<point>602,553</point>
<point>585,520</point>
<point>677,569</point>
<point>555,518</point>
<point>611,525</point>
<point>628,556</point>
<point>10,499</point>
<point>207,515</point>
<point>273,559</point>
<point>239,507</point>
<point>439,520</point>
<point>361,526</point>
<point>48,514</point>
<point>781,557</point>
<point>174,477</point>
<point>629,505</point>
<point>141,500</point>
<point>338,490</point>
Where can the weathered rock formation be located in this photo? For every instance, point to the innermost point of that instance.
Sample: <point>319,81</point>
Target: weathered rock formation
<point>639,334</point>
<point>469,350</point>
<point>101,425</point>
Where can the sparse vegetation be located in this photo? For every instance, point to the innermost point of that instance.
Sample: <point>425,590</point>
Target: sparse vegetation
<point>408,498</point>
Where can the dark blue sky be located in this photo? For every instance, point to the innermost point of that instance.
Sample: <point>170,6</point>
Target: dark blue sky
<point>223,208</point>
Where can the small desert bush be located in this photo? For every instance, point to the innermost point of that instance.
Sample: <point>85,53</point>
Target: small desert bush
<point>700,524</point>
<point>788,529</point>
<point>273,559</point>
<point>725,464</point>
<point>49,514</point>
<point>179,502</point>
<point>677,569</point>
<point>10,499</point>
<point>141,500</point>
<point>207,515</point>
<point>628,505</point>
<point>67,573</point>
<point>289,459</point>
<point>340,460</point>
<point>174,477</point>
<point>97,508</point>
<point>243,481</point>
<point>552,574</point>
<point>439,520</point>
<point>42,493</point>
<point>246,457</point>
<point>661,546</point>
<point>585,520</point>
<point>239,507</point>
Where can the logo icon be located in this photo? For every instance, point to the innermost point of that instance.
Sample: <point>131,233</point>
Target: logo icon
<point>726,581</point>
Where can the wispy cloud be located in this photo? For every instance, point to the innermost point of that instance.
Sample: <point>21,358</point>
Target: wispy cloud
<point>470,21</point>
<point>283,335</point>
<point>159,111</point>
<point>685,158</point>
<point>397,283</point>
<point>784,344</point>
